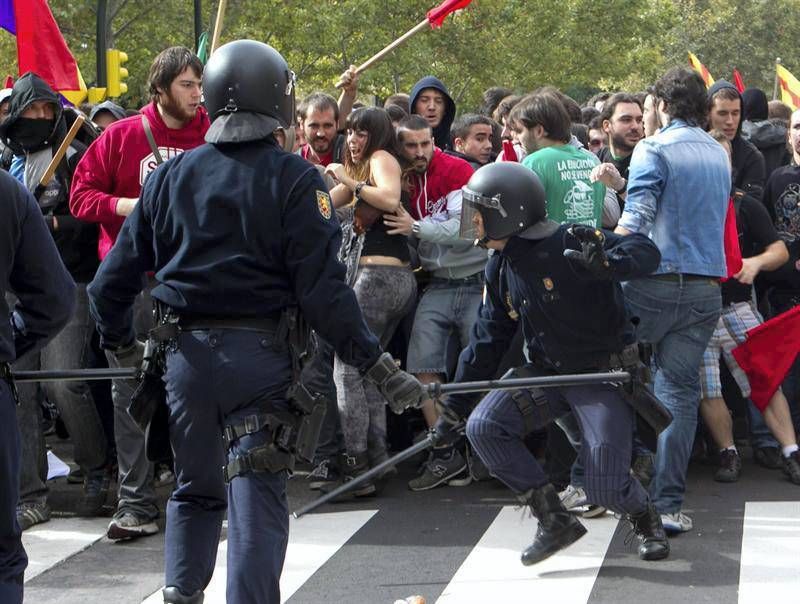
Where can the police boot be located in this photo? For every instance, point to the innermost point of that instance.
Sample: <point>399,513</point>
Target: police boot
<point>557,527</point>
<point>653,544</point>
<point>353,466</point>
<point>172,595</point>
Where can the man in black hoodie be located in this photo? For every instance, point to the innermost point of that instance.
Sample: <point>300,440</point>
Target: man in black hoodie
<point>725,114</point>
<point>33,132</point>
<point>769,136</point>
<point>431,100</point>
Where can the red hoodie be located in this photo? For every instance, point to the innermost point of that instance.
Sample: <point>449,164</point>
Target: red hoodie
<point>429,191</point>
<point>116,164</point>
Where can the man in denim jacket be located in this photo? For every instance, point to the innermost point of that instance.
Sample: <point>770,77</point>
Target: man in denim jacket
<point>678,194</point>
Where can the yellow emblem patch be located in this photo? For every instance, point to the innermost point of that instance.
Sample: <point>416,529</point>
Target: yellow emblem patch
<point>548,283</point>
<point>324,204</point>
<point>513,314</point>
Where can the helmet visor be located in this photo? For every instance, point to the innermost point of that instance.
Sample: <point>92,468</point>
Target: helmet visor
<point>469,207</point>
<point>466,229</point>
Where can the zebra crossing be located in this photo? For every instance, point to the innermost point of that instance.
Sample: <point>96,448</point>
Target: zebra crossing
<point>328,551</point>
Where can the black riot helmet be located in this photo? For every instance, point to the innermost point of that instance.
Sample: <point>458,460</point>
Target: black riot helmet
<point>511,201</point>
<point>249,76</point>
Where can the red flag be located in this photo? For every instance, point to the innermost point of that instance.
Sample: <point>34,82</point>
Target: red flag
<point>737,81</point>
<point>733,254</point>
<point>768,353</point>
<point>9,82</point>
<point>509,152</point>
<point>436,16</point>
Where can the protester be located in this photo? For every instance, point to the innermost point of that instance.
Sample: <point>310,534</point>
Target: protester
<point>33,131</point>
<point>106,188</point>
<point>769,136</point>
<point>319,117</point>
<point>106,113</point>
<point>430,99</point>
<point>471,139</point>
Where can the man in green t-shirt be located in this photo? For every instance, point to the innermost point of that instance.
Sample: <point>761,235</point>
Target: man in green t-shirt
<point>542,126</point>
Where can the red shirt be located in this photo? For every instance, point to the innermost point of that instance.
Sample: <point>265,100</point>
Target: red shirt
<point>308,154</point>
<point>429,192</point>
<point>117,163</point>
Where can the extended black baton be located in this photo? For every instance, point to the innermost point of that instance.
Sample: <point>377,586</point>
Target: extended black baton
<point>73,375</point>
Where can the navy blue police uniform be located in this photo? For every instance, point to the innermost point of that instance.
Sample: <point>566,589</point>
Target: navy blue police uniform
<point>573,322</point>
<point>31,268</point>
<point>233,232</point>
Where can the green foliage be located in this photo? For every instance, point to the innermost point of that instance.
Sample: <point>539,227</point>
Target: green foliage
<point>578,45</point>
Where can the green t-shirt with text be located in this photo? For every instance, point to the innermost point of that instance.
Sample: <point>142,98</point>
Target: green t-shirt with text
<point>571,197</point>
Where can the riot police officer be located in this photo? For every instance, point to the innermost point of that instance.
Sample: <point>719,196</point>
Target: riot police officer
<point>236,231</point>
<point>562,283</point>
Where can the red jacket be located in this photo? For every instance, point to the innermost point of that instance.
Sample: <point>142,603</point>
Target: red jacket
<point>429,192</point>
<point>117,163</point>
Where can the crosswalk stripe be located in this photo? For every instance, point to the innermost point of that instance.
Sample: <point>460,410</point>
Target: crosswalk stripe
<point>770,552</point>
<point>51,543</point>
<point>313,540</point>
<point>493,573</point>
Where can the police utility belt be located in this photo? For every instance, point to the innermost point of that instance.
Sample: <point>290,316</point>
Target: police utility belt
<point>534,405</point>
<point>290,434</point>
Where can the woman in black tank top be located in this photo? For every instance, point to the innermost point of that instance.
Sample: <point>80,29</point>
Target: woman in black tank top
<point>378,263</point>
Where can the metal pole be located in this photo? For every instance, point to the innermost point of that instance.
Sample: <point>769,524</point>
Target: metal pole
<point>550,381</point>
<point>101,43</point>
<point>775,87</point>
<point>198,24</point>
<point>75,375</point>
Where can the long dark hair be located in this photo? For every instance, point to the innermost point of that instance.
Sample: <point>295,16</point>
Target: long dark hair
<point>375,121</point>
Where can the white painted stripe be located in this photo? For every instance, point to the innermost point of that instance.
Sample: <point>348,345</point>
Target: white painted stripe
<point>770,563</point>
<point>493,572</point>
<point>53,542</point>
<point>313,540</point>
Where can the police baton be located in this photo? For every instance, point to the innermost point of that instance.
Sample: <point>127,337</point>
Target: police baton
<point>75,375</point>
<point>437,390</point>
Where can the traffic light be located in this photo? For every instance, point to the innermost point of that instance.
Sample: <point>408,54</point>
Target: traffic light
<point>116,73</point>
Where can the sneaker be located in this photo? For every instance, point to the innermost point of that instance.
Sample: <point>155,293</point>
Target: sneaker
<point>730,466</point>
<point>477,469</point>
<point>443,466</point>
<point>769,457</point>
<point>163,475</point>
<point>676,523</point>
<point>324,474</point>
<point>574,500</point>
<point>643,468</point>
<point>127,525</point>
<point>791,467</point>
<point>31,514</point>
<point>95,491</point>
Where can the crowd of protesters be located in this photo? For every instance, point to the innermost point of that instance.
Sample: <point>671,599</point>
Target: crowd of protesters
<point>395,175</point>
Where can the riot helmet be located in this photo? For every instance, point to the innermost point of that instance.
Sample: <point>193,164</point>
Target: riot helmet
<point>247,77</point>
<point>511,201</point>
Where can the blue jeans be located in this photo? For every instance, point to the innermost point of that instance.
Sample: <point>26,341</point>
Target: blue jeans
<point>12,555</point>
<point>677,315</point>
<point>218,377</point>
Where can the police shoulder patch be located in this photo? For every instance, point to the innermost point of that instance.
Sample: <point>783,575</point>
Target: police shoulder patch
<point>324,204</point>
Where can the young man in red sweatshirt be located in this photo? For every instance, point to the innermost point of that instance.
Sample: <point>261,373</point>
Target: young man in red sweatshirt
<point>105,189</point>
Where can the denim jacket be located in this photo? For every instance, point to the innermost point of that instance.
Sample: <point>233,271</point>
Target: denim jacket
<point>678,189</point>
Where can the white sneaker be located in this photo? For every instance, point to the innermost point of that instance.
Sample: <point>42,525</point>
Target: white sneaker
<point>677,522</point>
<point>574,500</point>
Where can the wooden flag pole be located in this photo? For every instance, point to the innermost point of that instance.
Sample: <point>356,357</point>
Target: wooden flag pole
<point>218,26</point>
<point>380,55</point>
<point>775,87</point>
<point>62,149</point>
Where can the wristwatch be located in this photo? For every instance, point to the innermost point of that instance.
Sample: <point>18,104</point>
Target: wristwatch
<point>416,226</point>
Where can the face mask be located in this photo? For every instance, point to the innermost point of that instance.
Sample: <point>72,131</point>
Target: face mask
<point>31,134</point>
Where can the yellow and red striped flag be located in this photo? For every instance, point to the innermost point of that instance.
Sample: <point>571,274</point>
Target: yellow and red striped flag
<point>701,69</point>
<point>789,86</point>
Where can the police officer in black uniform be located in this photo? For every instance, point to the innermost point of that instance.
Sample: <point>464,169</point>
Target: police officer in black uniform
<point>31,268</point>
<point>562,283</point>
<point>236,231</point>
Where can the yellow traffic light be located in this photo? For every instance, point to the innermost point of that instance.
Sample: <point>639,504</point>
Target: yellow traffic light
<point>115,72</point>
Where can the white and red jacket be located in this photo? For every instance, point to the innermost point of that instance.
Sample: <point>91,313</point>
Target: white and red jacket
<point>117,163</point>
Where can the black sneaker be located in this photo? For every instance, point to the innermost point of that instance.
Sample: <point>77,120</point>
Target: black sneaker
<point>791,467</point>
<point>443,466</point>
<point>324,474</point>
<point>730,466</point>
<point>477,469</point>
<point>95,491</point>
<point>31,514</point>
<point>769,457</point>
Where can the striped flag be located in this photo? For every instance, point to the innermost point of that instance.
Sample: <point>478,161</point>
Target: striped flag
<point>701,69</point>
<point>789,87</point>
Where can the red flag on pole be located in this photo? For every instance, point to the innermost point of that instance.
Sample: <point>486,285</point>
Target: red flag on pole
<point>768,353</point>
<point>737,80</point>
<point>9,83</point>
<point>436,16</point>
<point>733,253</point>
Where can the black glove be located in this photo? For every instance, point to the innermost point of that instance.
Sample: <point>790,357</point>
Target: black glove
<point>592,255</point>
<point>449,427</point>
<point>402,390</point>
